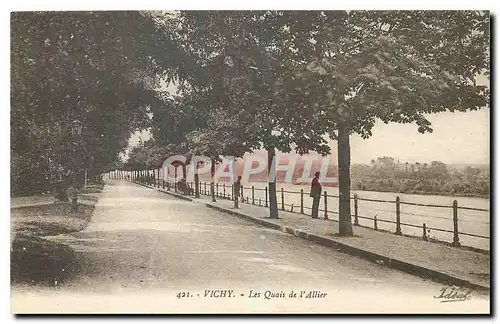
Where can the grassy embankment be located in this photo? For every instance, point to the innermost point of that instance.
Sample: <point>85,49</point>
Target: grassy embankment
<point>35,260</point>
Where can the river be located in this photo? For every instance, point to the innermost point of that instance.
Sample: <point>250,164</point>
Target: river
<point>469,221</point>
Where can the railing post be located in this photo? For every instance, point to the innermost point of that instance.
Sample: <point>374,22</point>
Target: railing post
<point>163,184</point>
<point>260,202</point>
<point>398,216</point>
<point>424,232</point>
<point>168,185</point>
<point>224,190</point>
<point>326,205</point>
<point>266,198</point>
<point>232,191</point>
<point>282,199</point>
<point>217,189</point>
<point>456,240</point>
<point>212,191</point>
<point>205,187</point>
<point>375,227</point>
<point>301,201</point>
<point>242,197</point>
<point>356,221</point>
<point>253,195</point>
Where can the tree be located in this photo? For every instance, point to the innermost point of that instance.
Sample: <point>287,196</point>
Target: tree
<point>471,173</point>
<point>397,67</point>
<point>438,170</point>
<point>418,166</point>
<point>96,67</point>
<point>250,75</point>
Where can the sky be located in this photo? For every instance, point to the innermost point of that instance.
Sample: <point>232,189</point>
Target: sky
<point>459,137</point>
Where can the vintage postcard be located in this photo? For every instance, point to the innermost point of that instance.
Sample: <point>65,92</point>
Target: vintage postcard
<point>250,162</point>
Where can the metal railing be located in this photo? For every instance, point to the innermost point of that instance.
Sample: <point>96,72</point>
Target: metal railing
<point>248,196</point>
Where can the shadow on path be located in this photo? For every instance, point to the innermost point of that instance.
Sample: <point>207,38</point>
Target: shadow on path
<point>36,261</point>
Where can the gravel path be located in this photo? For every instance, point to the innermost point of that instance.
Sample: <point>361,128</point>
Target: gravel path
<point>142,248</point>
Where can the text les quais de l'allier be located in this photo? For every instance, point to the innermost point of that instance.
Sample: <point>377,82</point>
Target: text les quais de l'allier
<point>265,294</point>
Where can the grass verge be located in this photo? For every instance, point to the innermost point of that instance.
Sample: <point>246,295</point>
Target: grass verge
<point>38,261</point>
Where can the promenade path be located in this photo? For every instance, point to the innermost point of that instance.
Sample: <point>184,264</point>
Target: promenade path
<point>460,263</point>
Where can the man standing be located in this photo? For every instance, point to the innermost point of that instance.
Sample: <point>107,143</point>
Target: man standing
<point>315,194</point>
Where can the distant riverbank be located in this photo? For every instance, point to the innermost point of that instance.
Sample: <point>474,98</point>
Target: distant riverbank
<point>477,189</point>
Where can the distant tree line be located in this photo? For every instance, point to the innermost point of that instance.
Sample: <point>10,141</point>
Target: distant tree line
<point>387,174</point>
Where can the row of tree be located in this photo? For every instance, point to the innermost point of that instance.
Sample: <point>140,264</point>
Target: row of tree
<point>274,80</point>
<point>389,167</point>
<point>384,174</point>
<point>284,80</point>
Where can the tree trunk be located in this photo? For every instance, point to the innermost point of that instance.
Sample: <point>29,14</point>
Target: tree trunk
<point>196,184</point>
<point>235,192</point>
<point>271,169</point>
<point>175,175</point>
<point>184,172</point>
<point>344,161</point>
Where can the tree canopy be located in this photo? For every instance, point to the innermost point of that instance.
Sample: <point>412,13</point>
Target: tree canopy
<point>95,67</point>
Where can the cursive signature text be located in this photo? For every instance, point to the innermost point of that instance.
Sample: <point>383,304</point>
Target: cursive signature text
<point>454,294</point>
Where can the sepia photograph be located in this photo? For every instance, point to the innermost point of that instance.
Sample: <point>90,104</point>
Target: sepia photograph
<point>250,162</point>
